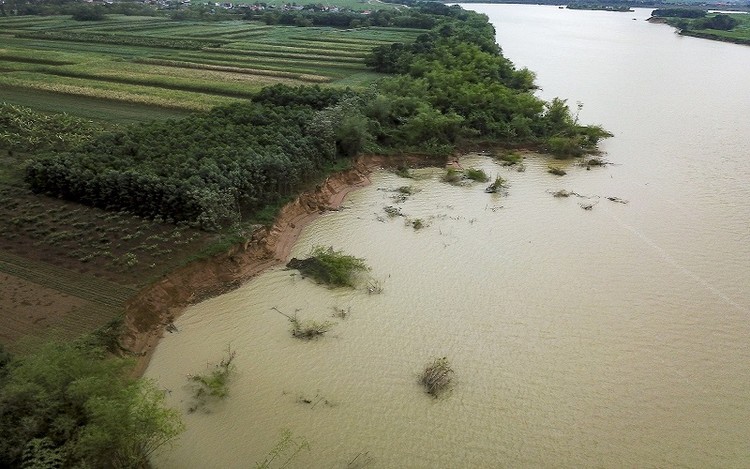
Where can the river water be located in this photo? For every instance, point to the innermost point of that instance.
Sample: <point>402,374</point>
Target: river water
<point>610,337</point>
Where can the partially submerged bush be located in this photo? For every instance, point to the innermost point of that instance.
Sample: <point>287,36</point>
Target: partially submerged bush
<point>556,170</point>
<point>453,176</point>
<point>404,172</point>
<point>309,330</point>
<point>437,377</point>
<point>392,211</point>
<point>510,158</point>
<point>497,185</point>
<point>418,224</point>
<point>476,175</point>
<point>402,193</point>
<point>213,384</point>
<point>330,267</point>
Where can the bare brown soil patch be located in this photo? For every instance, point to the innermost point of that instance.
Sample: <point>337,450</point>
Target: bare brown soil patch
<point>27,308</point>
<point>118,247</point>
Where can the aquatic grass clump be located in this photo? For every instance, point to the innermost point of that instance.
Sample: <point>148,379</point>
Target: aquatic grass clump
<point>330,267</point>
<point>437,377</point>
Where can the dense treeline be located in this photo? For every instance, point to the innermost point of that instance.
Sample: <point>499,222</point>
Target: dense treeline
<point>451,85</point>
<point>205,169</point>
<point>457,84</point>
<point>678,13</point>
<point>75,8</point>
<point>690,20</point>
<point>73,406</point>
<point>310,16</point>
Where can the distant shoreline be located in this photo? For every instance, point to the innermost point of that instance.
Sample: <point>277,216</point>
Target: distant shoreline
<point>709,6</point>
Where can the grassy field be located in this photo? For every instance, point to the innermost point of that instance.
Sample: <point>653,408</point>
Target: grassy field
<point>67,269</point>
<point>740,34</point>
<point>156,67</point>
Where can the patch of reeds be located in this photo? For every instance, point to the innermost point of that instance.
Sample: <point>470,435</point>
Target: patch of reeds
<point>308,330</point>
<point>437,377</point>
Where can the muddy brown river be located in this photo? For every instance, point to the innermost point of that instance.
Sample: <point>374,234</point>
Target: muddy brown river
<point>612,337</point>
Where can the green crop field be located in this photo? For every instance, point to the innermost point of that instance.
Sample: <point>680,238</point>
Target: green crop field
<point>125,69</point>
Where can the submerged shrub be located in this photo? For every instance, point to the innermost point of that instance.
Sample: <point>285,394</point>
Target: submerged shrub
<point>453,176</point>
<point>497,185</point>
<point>330,267</point>
<point>557,171</point>
<point>309,330</point>
<point>214,384</point>
<point>476,175</point>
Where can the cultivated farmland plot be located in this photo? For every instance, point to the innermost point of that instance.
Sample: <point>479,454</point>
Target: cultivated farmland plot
<point>158,64</point>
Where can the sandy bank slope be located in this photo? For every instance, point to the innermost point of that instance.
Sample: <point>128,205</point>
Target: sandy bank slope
<point>151,309</point>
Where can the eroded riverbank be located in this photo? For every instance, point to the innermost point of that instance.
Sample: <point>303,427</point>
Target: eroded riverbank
<point>614,336</point>
<point>157,305</point>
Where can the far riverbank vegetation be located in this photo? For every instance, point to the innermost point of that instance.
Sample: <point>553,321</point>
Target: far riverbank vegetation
<point>727,27</point>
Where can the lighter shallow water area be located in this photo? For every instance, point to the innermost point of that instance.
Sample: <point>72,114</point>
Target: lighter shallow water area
<point>614,337</point>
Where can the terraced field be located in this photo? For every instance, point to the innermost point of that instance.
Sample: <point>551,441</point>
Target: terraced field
<point>156,67</point>
<point>67,269</point>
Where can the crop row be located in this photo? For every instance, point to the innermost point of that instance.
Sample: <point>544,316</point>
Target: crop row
<point>354,42</point>
<point>170,99</point>
<point>308,67</point>
<point>83,320</point>
<point>31,59</point>
<point>72,283</point>
<point>306,49</point>
<point>307,55</point>
<point>169,43</point>
<point>281,60</point>
<point>241,70</point>
<point>157,81</point>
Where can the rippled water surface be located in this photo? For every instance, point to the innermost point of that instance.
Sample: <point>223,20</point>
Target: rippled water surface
<point>615,337</point>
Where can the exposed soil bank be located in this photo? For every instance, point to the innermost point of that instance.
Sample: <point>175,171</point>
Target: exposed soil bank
<point>155,306</point>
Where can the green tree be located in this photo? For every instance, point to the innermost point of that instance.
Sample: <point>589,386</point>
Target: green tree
<point>67,405</point>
